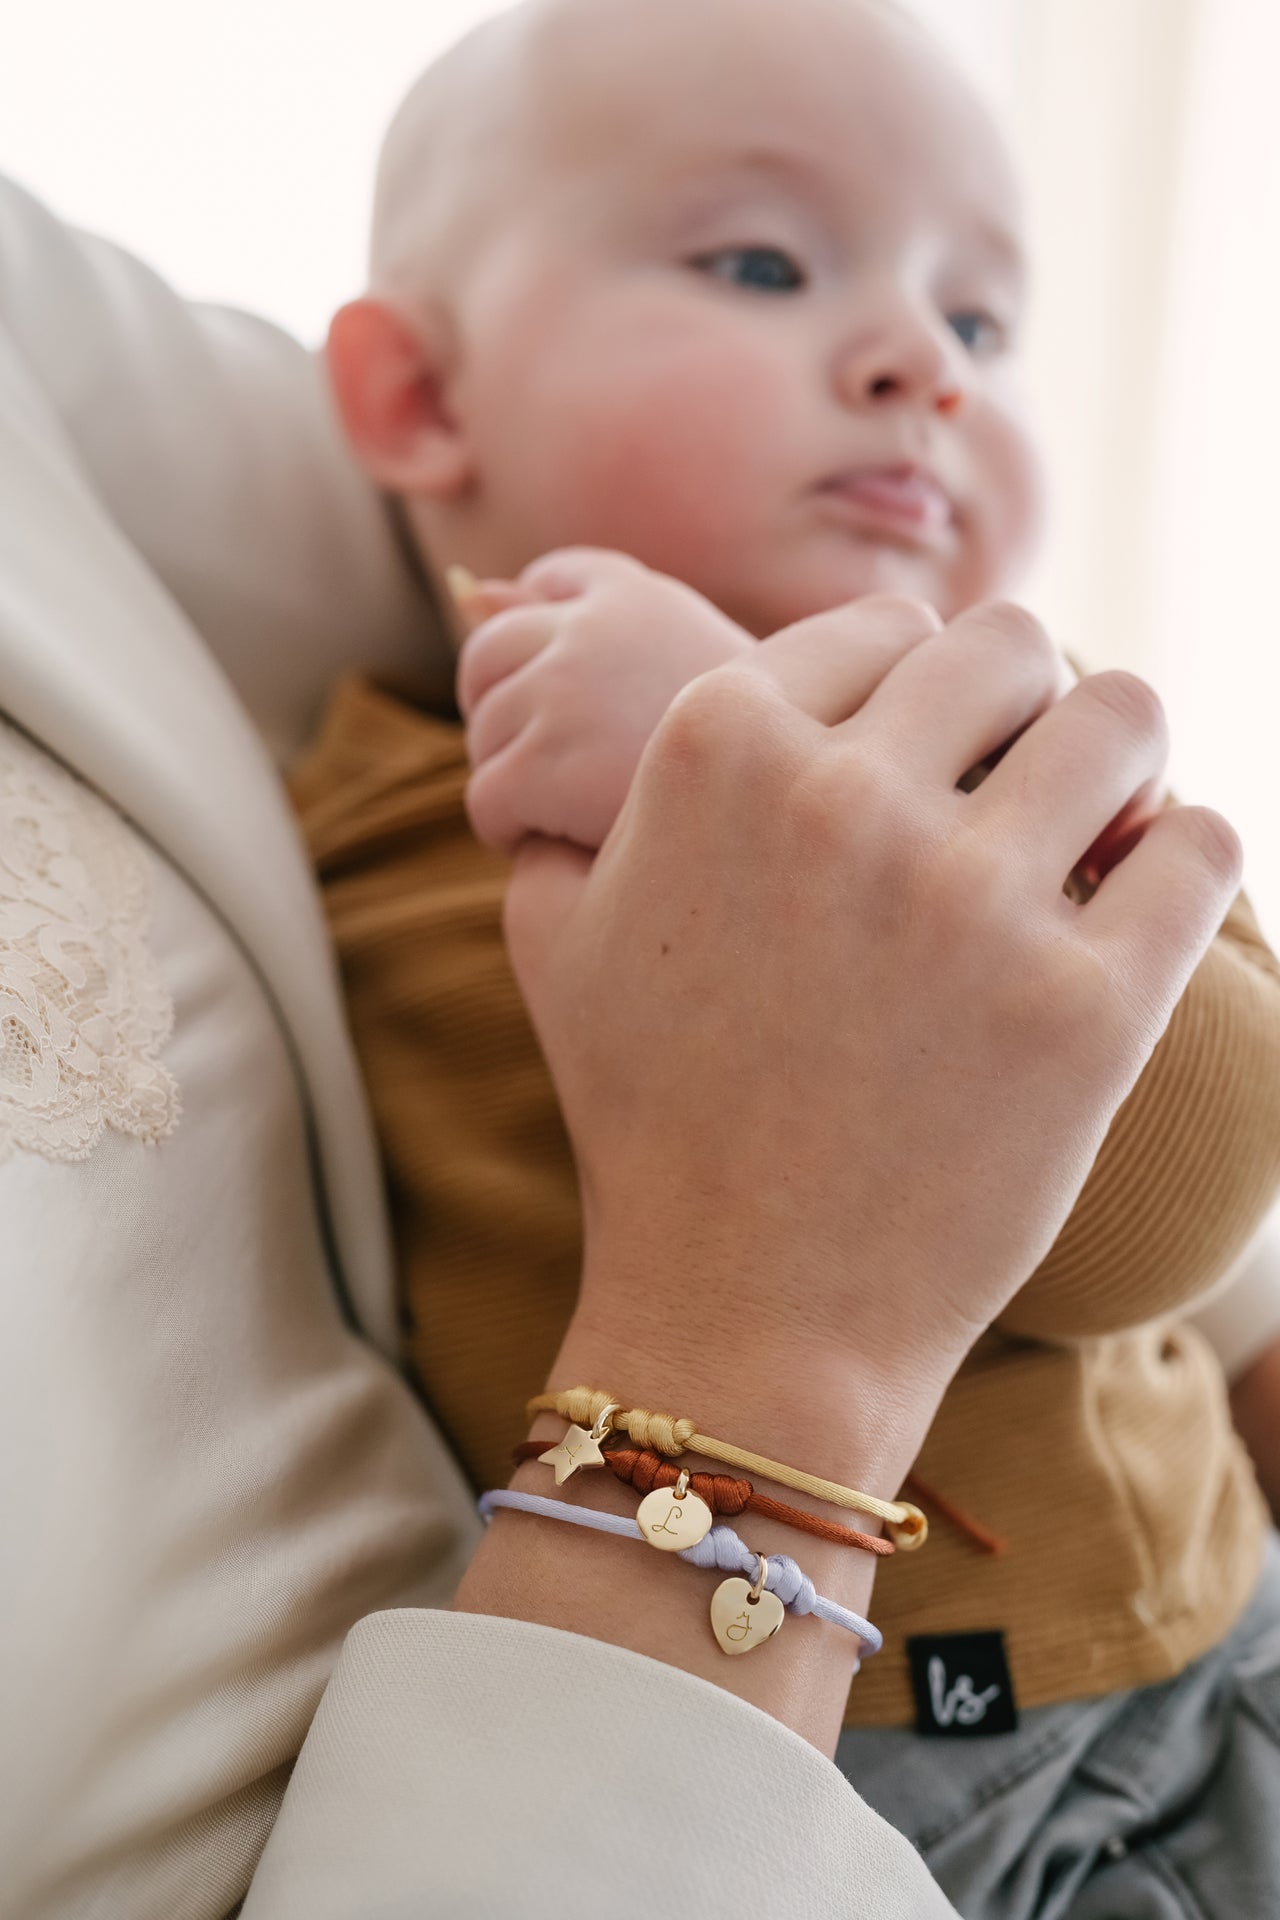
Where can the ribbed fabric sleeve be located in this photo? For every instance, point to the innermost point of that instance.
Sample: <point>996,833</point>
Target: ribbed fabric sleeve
<point>1191,1162</point>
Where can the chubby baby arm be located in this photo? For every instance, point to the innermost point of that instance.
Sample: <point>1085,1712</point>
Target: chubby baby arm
<point>562,689</point>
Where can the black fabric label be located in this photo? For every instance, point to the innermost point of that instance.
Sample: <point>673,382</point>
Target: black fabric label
<point>962,1685</point>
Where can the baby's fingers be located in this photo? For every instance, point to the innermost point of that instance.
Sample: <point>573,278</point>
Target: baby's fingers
<point>567,573</point>
<point>503,712</point>
<point>500,648</point>
<point>500,806</point>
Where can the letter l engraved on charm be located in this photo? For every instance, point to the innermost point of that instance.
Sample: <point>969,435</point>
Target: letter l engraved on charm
<point>672,1519</point>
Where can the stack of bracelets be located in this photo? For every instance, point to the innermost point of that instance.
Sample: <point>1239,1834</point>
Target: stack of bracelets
<point>677,1511</point>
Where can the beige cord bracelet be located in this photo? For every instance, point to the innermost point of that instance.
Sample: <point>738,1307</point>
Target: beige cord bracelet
<point>594,1415</point>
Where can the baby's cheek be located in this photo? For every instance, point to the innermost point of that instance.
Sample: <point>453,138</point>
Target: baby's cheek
<point>1007,500</point>
<point>664,481</point>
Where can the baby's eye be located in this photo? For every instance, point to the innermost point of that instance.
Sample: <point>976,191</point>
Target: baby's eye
<point>764,269</point>
<point>980,332</point>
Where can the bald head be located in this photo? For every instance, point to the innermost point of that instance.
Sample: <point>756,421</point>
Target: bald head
<point>446,154</point>
<point>548,77</point>
<point>647,273</point>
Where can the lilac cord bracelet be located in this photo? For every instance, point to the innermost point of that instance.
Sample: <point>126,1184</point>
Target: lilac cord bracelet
<point>721,1548</point>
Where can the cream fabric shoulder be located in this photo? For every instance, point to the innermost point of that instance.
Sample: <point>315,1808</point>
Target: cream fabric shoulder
<point>209,439</point>
<point>84,1012</point>
<point>99,667</point>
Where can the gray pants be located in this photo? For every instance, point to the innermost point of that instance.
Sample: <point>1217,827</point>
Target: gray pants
<point>1160,1804</point>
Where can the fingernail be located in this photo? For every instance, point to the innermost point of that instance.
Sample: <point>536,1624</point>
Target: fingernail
<point>462,584</point>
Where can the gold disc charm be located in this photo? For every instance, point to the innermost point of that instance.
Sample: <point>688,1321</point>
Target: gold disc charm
<point>671,1517</point>
<point>743,1616</point>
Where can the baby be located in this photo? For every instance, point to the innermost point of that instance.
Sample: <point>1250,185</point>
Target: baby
<point>689,322</point>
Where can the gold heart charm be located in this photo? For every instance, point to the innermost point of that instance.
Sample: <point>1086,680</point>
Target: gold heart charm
<point>671,1517</point>
<point>741,1618</point>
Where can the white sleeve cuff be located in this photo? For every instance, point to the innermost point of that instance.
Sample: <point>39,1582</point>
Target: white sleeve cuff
<point>466,1765</point>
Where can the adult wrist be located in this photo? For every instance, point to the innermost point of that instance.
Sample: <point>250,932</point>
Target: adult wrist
<point>807,1415</point>
<point>844,1402</point>
<point>828,1410</point>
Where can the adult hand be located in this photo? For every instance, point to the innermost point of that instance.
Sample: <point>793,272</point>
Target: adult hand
<point>834,1024</point>
<point>836,1052</point>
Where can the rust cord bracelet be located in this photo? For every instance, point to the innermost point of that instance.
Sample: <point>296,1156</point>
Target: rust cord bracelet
<point>593,1414</point>
<point>644,1469</point>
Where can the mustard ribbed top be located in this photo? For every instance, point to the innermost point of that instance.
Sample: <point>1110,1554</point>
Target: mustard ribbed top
<point>1088,1431</point>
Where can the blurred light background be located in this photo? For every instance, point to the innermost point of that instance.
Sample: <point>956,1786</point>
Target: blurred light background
<point>233,148</point>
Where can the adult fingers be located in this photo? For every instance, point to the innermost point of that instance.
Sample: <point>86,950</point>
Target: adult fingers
<point>828,664</point>
<point>967,690</point>
<point>1074,770</point>
<point>1165,901</point>
<point>501,647</point>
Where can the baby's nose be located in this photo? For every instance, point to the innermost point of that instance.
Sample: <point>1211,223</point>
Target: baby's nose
<point>902,358</point>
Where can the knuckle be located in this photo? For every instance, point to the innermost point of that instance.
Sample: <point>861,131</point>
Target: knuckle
<point>1214,840</point>
<point>1014,626</point>
<point>1131,701</point>
<point>693,724</point>
<point>718,721</point>
<point>718,702</point>
<point>900,611</point>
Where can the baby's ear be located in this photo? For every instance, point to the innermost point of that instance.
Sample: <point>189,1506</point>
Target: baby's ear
<point>390,376</point>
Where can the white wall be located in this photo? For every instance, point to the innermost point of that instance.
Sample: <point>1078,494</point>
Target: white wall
<point>1214,552</point>
<point>231,145</point>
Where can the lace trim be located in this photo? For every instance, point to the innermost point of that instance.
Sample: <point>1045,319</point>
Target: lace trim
<point>83,1010</point>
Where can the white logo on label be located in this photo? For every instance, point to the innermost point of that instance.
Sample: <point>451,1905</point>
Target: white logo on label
<point>961,1704</point>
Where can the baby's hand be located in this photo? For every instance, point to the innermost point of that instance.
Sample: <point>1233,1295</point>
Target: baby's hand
<point>562,689</point>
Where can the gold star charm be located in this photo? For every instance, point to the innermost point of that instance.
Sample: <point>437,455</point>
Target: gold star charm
<point>580,1448</point>
<point>577,1449</point>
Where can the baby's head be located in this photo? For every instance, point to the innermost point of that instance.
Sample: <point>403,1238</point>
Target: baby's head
<point>732,286</point>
